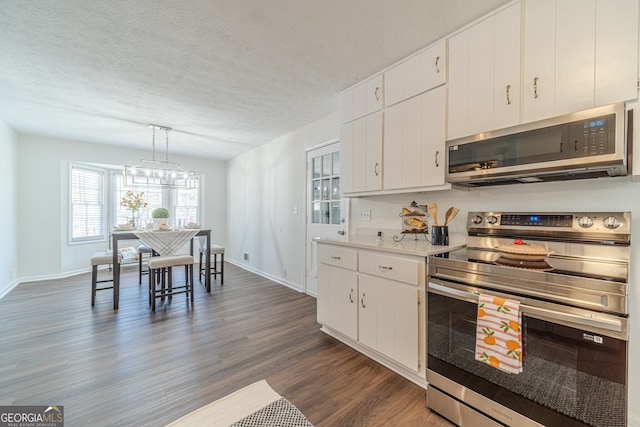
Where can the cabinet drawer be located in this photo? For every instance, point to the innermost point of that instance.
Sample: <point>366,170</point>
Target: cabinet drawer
<point>338,256</point>
<point>401,269</point>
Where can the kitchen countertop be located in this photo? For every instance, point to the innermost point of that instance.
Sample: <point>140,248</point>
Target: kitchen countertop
<point>408,246</point>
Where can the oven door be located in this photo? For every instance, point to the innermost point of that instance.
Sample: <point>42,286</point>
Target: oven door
<point>572,375</point>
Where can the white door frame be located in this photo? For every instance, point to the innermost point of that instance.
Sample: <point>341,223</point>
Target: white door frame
<point>310,267</point>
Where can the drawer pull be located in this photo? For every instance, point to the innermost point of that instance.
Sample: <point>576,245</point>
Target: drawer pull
<point>335,257</point>
<point>384,267</point>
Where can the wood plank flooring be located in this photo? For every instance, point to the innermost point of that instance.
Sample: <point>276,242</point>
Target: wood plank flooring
<point>132,367</point>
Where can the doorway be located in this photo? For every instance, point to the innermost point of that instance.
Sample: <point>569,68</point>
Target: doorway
<point>327,212</point>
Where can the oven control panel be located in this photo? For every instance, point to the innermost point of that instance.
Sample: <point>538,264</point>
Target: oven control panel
<point>550,224</point>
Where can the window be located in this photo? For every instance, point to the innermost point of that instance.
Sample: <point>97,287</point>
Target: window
<point>87,204</point>
<point>326,189</point>
<point>183,203</point>
<point>92,188</point>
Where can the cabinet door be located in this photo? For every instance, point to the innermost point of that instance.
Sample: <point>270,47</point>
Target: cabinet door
<point>346,158</point>
<point>393,146</point>
<point>458,87</point>
<point>323,301</point>
<point>616,51</point>
<point>405,301</point>
<point>337,299</point>
<point>481,77</point>
<point>349,303</point>
<point>367,316</point>
<point>506,87</point>
<point>434,64</point>
<point>411,140</point>
<point>359,158</point>
<point>432,145</point>
<point>539,60</point>
<point>375,94</point>
<point>360,100</point>
<point>574,55</point>
<point>346,106</point>
<point>373,152</point>
<point>393,85</point>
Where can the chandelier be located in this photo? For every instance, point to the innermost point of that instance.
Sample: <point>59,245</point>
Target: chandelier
<point>162,173</point>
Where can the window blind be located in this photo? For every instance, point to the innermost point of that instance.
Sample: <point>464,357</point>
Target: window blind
<point>87,204</point>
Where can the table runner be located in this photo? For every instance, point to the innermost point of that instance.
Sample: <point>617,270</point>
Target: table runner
<point>166,242</point>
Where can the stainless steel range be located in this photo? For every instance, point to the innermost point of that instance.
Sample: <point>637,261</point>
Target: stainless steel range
<point>573,307</point>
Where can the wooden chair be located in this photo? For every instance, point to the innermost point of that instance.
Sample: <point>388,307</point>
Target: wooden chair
<point>98,259</point>
<point>215,250</point>
<point>163,265</point>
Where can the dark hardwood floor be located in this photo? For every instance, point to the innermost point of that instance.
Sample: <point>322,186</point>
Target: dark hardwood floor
<point>137,368</point>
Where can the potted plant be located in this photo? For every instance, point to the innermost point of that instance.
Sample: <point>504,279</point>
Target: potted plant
<point>160,218</point>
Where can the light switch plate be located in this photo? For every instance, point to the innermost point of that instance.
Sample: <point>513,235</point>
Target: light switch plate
<point>365,215</point>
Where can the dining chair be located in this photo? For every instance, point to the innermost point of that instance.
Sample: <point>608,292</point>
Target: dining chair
<point>144,253</point>
<point>98,259</point>
<point>162,288</point>
<point>214,250</point>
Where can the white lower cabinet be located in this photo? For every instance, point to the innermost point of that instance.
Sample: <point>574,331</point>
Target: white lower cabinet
<point>376,307</point>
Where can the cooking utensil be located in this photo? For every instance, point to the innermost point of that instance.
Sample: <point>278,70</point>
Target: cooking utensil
<point>433,210</point>
<point>450,214</point>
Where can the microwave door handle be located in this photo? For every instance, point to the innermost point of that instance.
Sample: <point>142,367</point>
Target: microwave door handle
<point>614,325</point>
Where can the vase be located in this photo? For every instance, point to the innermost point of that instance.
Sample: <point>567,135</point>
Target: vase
<point>157,222</point>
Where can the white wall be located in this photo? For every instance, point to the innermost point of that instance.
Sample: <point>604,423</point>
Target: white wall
<point>264,186</point>
<point>43,202</point>
<point>9,203</point>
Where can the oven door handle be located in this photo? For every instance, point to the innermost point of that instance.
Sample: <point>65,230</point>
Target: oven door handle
<point>537,312</point>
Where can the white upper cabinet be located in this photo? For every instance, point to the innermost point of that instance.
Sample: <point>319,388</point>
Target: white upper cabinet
<point>616,51</point>
<point>375,94</point>
<point>363,99</point>
<point>578,54</point>
<point>506,83</point>
<point>346,106</point>
<point>421,72</point>
<point>484,75</point>
<point>574,55</point>
<point>414,142</point>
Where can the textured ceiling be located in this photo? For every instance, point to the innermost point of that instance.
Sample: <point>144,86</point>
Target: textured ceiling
<point>227,76</point>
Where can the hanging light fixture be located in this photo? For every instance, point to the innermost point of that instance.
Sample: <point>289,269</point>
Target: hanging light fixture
<point>161,173</point>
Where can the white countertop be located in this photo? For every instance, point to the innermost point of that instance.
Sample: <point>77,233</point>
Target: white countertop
<point>408,246</point>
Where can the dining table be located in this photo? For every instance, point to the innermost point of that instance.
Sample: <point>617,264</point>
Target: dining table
<point>164,242</point>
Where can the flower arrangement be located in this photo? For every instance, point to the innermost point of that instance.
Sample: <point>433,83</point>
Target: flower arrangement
<point>133,201</point>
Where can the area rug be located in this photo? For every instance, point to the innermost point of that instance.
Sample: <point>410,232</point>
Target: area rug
<point>255,405</point>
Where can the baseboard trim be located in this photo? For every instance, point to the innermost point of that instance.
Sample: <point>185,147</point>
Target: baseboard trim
<point>279,280</point>
<point>5,289</point>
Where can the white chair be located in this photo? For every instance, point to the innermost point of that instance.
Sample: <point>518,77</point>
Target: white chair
<point>163,265</point>
<point>98,259</point>
<point>214,250</point>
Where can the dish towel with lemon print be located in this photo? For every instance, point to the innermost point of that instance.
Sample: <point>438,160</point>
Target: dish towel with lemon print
<point>498,336</point>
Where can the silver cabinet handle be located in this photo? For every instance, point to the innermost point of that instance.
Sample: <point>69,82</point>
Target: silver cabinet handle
<point>384,267</point>
<point>362,300</point>
<point>377,93</point>
<point>535,87</point>
<point>437,65</point>
<point>375,168</point>
<point>351,296</point>
<point>436,158</point>
<point>341,232</point>
<point>508,97</point>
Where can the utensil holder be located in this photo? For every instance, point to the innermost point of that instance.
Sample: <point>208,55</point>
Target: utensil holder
<point>440,235</point>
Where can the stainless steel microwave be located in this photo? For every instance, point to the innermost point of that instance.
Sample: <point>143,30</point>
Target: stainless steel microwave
<point>587,144</point>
